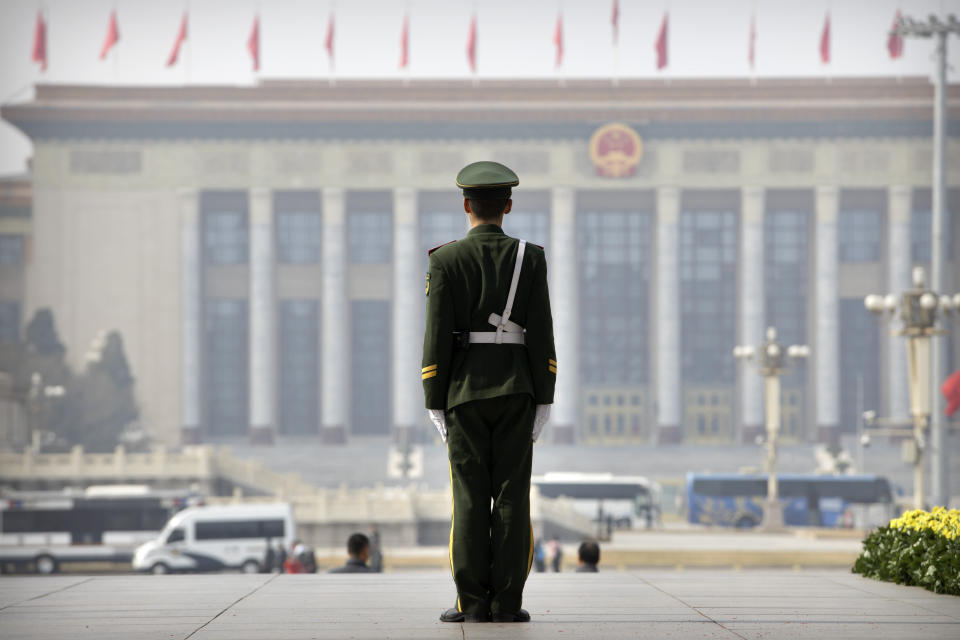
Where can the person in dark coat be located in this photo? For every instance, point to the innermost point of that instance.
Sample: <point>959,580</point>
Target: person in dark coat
<point>358,548</point>
<point>588,555</point>
<point>269,558</point>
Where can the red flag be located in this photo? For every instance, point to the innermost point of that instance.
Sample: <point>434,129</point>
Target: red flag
<point>472,44</point>
<point>253,43</point>
<point>40,42</point>
<point>751,53</point>
<point>113,35</point>
<point>558,40</point>
<point>181,36</point>
<point>894,41</point>
<point>405,43</point>
<point>825,41</point>
<point>951,391</point>
<point>328,43</point>
<point>615,20</point>
<point>661,45</point>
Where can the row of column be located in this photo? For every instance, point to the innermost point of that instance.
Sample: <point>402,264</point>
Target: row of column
<point>563,277</point>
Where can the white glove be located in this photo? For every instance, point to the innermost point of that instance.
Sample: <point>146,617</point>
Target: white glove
<point>543,414</point>
<point>439,418</point>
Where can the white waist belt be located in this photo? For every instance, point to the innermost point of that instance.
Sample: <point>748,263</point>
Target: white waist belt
<point>507,332</point>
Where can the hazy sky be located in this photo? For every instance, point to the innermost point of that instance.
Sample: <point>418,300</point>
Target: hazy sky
<point>708,38</point>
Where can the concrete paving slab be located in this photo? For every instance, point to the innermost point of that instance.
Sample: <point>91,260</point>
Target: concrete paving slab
<point>651,604</point>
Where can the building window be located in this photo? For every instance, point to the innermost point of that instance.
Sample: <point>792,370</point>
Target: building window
<point>370,237</point>
<point>614,268</point>
<point>298,237</point>
<point>859,362</point>
<point>9,321</point>
<point>785,236</point>
<point>921,240</point>
<point>440,227</point>
<point>11,249</point>
<point>370,367</point>
<point>225,384</point>
<point>225,237</point>
<point>708,293</point>
<point>859,233</point>
<point>299,366</point>
<point>532,226</point>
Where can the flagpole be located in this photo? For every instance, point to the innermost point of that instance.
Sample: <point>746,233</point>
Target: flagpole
<point>116,48</point>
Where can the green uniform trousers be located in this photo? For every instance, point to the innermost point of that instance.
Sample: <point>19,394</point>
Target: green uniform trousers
<point>491,455</point>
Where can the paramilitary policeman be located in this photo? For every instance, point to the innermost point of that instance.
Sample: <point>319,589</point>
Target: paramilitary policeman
<point>489,372</point>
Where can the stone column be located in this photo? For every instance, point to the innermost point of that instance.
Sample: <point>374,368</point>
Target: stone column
<point>191,431</point>
<point>335,327</point>
<point>563,279</point>
<point>261,317</point>
<point>826,351</point>
<point>898,281</point>
<point>408,412</point>
<point>752,309</point>
<point>667,344</point>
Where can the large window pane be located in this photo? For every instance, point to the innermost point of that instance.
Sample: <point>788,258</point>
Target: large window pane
<point>859,234</point>
<point>299,366</point>
<point>614,259</point>
<point>530,225</point>
<point>859,362</point>
<point>225,386</point>
<point>11,249</point>
<point>370,369</point>
<point>225,237</point>
<point>708,293</point>
<point>298,237</point>
<point>440,227</point>
<point>370,236</point>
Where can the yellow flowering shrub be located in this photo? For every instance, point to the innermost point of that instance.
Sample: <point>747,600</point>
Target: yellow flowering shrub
<point>918,548</point>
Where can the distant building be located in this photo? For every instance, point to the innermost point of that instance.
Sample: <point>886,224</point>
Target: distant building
<point>15,206</point>
<point>262,249</point>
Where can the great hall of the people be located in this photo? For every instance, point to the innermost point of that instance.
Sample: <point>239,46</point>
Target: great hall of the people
<point>262,249</point>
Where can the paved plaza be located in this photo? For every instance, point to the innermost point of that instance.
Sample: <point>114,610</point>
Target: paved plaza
<point>637,604</point>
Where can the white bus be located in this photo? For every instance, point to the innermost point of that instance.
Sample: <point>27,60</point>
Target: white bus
<point>43,530</point>
<point>213,538</point>
<point>623,502</point>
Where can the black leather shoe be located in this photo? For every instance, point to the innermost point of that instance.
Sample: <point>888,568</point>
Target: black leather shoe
<point>455,615</point>
<point>520,616</point>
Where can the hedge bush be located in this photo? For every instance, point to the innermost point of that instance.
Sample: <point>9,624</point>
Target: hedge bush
<point>919,548</point>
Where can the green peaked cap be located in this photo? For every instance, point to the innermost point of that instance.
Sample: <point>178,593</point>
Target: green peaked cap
<point>486,180</point>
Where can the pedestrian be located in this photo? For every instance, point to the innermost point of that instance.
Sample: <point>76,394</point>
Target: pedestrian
<point>556,554</point>
<point>489,371</point>
<point>588,556</point>
<point>358,552</point>
<point>539,557</point>
<point>292,563</point>
<point>376,555</point>
<point>269,558</point>
<point>281,559</point>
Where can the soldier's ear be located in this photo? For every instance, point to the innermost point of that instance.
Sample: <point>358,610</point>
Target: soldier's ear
<point>509,206</point>
<point>466,206</point>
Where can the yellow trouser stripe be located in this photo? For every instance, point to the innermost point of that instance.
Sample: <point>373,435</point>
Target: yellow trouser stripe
<point>453,512</point>
<point>552,369</point>
<point>430,368</point>
<point>428,374</point>
<point>530,556</point>
<point>551,361</point>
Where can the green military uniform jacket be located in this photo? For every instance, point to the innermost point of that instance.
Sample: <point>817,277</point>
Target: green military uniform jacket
<point>467,281</point>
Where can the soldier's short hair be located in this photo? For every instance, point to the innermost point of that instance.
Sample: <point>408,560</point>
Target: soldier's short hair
<point>488,209</point>
<point>589,552</point>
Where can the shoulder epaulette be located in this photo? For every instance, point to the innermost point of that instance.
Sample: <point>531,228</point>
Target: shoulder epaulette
<point>440,245</point>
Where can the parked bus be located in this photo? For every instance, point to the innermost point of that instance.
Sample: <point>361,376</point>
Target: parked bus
<point>213,538</point>
<point>619,501</point>
<point>736,500</point>
<point>42,530</point>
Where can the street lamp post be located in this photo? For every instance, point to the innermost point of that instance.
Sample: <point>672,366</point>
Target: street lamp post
<point>938,29</point>
<point>772,361</point>
<point>918,309</point>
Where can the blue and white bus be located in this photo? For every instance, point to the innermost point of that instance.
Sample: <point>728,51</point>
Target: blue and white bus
<point>736,500</point>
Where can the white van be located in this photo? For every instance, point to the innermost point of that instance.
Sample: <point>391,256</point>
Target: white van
<point>217,537</point>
